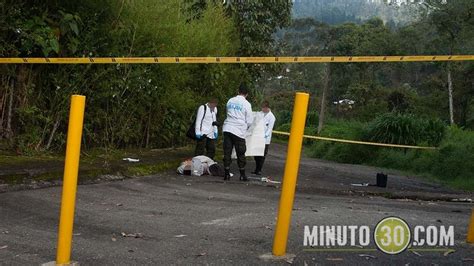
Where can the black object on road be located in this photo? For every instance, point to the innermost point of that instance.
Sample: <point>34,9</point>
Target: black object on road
<point>382,180</point>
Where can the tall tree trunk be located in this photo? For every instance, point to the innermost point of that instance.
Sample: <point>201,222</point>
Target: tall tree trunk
<point>322,113</point>
<point>53,132</point>
<point>147,142</point>
<point>450,92</point>
<point>8,129</point>
<point>3,103</point>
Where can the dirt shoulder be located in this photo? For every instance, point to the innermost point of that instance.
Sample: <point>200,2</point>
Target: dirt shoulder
<point>39,171</point>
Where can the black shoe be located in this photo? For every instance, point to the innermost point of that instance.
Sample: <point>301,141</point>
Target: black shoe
<point>227,174</point>
<point>243,177</point>
<point>257,173</point>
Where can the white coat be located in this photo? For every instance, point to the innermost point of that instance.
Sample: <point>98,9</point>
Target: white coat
<point>269,120</point>
<point>206,128</point>
<point>239,116</point>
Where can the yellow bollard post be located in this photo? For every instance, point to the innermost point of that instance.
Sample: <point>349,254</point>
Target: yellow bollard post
<point>71,169</point>
<point>470,230</point>
<point>291,172</point>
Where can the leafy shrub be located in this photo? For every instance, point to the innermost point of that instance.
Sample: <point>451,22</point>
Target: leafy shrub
<point>312,119</point>
<point>433,131</point>
<point>341,152</point>
<point>455,159</point>
<point>284,117</point>
<point>395,128</point>
<point>407,129</point>
<point>287,127</point>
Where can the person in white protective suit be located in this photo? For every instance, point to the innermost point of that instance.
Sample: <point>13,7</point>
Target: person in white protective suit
<point>206,129</point>
<point>239,119</point>
<point>269,121</point>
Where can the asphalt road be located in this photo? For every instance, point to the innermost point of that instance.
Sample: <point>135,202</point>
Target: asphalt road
<point>203,220</point>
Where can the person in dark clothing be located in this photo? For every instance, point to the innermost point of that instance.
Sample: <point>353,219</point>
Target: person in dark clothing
<point>239,118</point>
<point>259,160</point>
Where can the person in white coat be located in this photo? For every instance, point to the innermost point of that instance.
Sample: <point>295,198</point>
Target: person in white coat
<point>206,129</point>
<point>239,119</point>
<point>269,120</point>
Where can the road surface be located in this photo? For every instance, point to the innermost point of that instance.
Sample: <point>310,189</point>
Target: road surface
<point>169,219</point>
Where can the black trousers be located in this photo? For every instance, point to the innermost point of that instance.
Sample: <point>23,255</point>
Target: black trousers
<point>259,160</point>
<point>231,141</point>
<point>207,144</point>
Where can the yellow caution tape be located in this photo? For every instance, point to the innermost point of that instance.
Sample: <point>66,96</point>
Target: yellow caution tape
<point>360,142</point>
<point>234,60</point>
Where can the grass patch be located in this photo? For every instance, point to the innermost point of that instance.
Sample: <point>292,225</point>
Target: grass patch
<point>149,169</point>
<point>94,163</point>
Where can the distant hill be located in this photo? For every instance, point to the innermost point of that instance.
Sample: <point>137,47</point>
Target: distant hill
<point>340,11</point>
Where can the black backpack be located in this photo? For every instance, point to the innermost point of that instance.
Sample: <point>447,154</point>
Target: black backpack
<point>191,133</point>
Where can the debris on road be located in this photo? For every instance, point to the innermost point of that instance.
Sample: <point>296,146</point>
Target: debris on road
<point>131,160</point>
<point>367,256</point>
<point>3,247</point>
<point>334,259</point>
<point>449,251</point>
<point>135,235</point>
<point>360,184</point>
<point>180,236</point>
<point>290,260</point>
<point>201,254</point>
<point>416,253</point>
<point>462,200</point>
<point>264,179</point>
